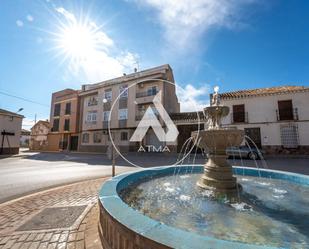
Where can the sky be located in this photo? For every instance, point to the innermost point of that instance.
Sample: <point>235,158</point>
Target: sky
<point>50,45</point>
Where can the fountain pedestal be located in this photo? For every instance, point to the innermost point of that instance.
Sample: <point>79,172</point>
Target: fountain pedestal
<point>218,173</point>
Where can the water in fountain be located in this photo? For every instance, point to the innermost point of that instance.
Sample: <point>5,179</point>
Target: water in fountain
<point>269,212</point>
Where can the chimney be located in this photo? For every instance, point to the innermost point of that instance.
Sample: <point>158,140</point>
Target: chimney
<point>135,70</point>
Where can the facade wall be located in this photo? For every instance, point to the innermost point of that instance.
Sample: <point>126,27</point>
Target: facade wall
<point>12,124</point>
<point>38,140</point>
<point>261,113</point>
<point>63,135</point>
<point>136,103</point>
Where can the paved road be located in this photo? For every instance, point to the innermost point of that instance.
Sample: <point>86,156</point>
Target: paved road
<point>36,171</point>
<point>32,172</point>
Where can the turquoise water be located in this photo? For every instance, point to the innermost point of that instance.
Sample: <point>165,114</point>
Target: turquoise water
<point>267,212</point>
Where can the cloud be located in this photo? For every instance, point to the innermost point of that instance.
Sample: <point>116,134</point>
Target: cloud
<point>19,23</point>
<point>185,20</point>
<point>102,60</point>
<point>30,18</point>
<point>68,15</point>
<point>193,98</point>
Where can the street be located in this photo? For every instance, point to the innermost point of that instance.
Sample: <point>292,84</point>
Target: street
<point>32,172</point>
<point>27,174</point>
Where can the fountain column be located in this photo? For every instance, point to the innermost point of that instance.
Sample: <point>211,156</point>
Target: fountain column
<point>218,173</point>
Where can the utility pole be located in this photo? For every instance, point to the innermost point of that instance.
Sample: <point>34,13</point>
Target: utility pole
<point>34,118</point>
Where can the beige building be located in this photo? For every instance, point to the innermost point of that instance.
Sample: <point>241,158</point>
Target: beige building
<point>10,131</point>
<point>276,118</point>
<point>125,100</point>
<point>39,136</point>
<point>64,115</point>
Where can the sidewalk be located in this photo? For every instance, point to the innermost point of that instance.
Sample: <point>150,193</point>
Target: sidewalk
<point>34,222</point>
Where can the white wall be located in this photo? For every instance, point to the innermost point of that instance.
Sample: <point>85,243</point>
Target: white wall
<point>10,124</point>
<point>262,113</point>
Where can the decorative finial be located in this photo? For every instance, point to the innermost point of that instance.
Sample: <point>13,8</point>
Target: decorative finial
<point>216,89</point>
<point>215,97</point>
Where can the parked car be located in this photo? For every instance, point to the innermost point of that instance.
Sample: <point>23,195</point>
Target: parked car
<point>245,152</point>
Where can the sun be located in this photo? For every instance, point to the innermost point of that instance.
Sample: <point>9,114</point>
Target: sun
<point>77,41</point>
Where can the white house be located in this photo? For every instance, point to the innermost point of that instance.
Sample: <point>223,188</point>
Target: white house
<point>39,136</point>
<point>10,127</point>
<point>276,118</point>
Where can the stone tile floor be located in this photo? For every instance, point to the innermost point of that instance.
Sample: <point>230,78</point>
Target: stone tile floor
<point>15,213</point>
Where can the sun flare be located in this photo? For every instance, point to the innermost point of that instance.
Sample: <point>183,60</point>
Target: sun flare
<point>77,41</point>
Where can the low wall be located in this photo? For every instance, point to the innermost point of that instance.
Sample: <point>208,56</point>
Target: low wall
<point>122,227</point>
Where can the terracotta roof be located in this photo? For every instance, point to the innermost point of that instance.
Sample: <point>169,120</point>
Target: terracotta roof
<point>263,91</point>
<point>186,115</point>
<point>25,132</point>
<point>41,121</point>
<point>8,113</point>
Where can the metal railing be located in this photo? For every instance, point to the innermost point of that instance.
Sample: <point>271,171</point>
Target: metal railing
<point>152,92</point>
<point>288,114</point>
<point>239,117</point>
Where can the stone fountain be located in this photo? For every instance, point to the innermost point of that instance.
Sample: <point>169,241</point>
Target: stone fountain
<point>218,175</point>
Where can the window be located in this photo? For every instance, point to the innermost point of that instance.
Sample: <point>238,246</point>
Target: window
<point>106,115</point>
<point>289,136</point>
<point>124,136</point>
<point>285,110</point>
<point>123,114</point>
<point>67,124</point>
<point>238,113</point>
<point>56,125</point>
<point>57,110</point>
<point>97,137</point>
<point>93,100</point>
<point>91,117</point>
<point>68,108</point>
<point>152,91</point>
<point>85,138</point>
<point>108,95</point>
<point>123,91</point>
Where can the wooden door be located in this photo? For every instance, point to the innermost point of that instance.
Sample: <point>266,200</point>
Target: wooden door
<point>255,135</point>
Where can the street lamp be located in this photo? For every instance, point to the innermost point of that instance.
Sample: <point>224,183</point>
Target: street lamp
<point>20,109</point>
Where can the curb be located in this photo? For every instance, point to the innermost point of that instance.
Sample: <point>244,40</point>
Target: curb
<point>52,188</point>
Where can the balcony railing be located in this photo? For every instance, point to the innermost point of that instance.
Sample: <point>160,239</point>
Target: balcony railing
<point>239,117</point>
<point>122,123</point>
<point>140,115</point>
<point>288,114</point>
<point>105,124</point>
<point>146,93</point>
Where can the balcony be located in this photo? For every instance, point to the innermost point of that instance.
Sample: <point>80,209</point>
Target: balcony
<point>105,124</point>
<point>122,123</point>
<point>239,117</point>
<point>139,115</point>
<point>287,114</point>
<point>146,97</point>
<point>151,92</point>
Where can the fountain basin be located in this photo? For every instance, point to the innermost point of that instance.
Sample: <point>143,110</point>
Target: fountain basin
<point>124,227</point>
<point>217,140</point>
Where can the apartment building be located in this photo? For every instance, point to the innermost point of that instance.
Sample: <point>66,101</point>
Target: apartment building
<point>124,100</point>
<point>276,118</point>
<point>64,116</point>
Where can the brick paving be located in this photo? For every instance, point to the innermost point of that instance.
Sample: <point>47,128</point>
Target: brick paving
<point>15,213</point>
